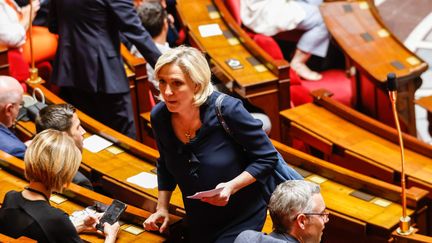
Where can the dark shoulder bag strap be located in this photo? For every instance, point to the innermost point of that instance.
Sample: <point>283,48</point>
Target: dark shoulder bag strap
<point>218,107</point>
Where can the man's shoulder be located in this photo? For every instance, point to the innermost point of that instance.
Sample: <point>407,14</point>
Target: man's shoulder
<point>10,144</point>
<point>256,236</point>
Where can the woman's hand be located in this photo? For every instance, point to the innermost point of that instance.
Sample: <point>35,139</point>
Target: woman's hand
<point>89,223</point>
<point>111,231</point>
<point>223,197</point>
<point>160,216</point>
<point>230,187</point>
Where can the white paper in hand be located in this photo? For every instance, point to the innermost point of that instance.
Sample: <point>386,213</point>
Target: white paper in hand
<point>209,193</point>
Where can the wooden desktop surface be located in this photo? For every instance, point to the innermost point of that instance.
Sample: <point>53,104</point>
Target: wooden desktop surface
<point>338,199</point>
<point>330,127</point>
<point>425,102</point>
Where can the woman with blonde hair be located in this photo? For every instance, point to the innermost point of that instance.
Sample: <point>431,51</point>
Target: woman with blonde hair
<point>197,154</point>
<point>51,161</point>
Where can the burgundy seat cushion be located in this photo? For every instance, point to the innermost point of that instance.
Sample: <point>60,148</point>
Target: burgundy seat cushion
<point>269,45</point>
<point>18,67</point>
<point>334,81</point>
<point>299,95</point>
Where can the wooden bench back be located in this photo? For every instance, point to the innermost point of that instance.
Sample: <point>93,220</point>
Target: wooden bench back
<point>358,142</point>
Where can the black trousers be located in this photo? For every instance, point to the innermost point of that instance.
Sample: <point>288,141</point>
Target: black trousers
<point>113,110</point>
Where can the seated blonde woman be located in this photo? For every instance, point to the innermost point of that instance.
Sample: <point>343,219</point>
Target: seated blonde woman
<point>51,161</point>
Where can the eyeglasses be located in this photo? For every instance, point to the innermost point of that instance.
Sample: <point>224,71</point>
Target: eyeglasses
<point>324,215</point>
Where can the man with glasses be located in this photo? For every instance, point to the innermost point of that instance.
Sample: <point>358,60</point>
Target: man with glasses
<point>298,213</point>
<point>11,96</point>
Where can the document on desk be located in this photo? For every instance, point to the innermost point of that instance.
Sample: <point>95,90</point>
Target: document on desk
<point>144,179</point>
<point>95,143</point>
<point>209,193</point>
<point>208,30</point>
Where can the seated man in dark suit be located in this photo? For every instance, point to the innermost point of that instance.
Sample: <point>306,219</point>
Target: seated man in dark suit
<point>62,117</point>
<point>298,213</point>
<point>11,96</point>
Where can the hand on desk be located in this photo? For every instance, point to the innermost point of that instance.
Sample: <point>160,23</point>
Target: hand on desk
<point>160,216</point>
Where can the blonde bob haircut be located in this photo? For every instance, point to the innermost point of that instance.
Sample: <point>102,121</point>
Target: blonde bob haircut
<point>194,65</point>
<point>52,159</point>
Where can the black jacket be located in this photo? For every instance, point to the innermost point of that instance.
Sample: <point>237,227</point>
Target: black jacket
<point>88,55</point>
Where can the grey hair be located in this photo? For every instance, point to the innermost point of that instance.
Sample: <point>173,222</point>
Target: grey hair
<point>9,97</point>
<point>193,64</point>
<point>10,92</point>
<point>290,199</point>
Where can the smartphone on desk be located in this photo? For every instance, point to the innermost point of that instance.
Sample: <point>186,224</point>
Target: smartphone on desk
<point>112,214</point>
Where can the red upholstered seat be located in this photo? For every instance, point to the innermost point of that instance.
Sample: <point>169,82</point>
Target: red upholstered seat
<point>234,7</point>
<point>299,95</point>
<point>333,80</point>
<point>268,44</point>
<point>18,67</point>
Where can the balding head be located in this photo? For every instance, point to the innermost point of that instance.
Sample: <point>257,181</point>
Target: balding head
<point>11,93</point>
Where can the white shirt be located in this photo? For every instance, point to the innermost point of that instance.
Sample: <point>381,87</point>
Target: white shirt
<point>12,33</point>
<point>270,17</point>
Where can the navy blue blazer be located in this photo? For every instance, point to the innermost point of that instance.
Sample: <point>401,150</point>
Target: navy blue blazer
<point>88,54</point>
<point>213,157</point>
<point>10,144</point>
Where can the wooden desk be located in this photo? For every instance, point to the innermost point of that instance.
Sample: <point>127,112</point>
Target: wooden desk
<point>22,239</point>
<point>375,52</point>
<point>9,182</point>
<point>413,238</point>
<point>357,142</point>
<point>351,213</point>
<point>426,102</point>
<point>254,81</point>
<point>280,68</point>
